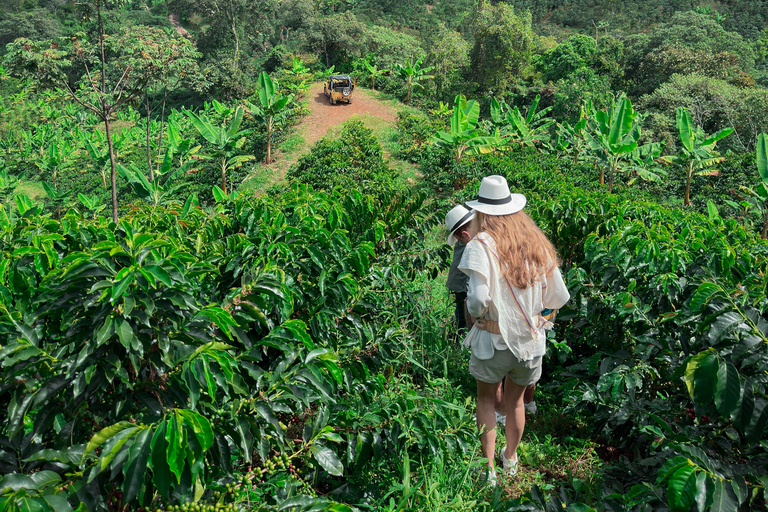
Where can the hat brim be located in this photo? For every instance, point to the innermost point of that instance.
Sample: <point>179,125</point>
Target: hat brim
<point>515,205</point>
<point>451,240</point>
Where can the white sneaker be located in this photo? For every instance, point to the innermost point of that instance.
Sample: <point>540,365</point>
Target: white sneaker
<point>487,476</point>
<point>531,407</point>
<point>510,466</point>
<point>501,419</point>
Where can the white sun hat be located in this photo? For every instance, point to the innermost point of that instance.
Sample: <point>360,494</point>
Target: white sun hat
<point>454,219</point>
<point>494,198</point>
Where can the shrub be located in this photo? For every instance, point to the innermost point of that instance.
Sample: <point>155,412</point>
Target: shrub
<point>354,159</point>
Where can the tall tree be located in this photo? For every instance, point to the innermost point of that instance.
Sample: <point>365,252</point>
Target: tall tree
<point>102,77</point>
<point>502,47</point>
<point>449,52</point>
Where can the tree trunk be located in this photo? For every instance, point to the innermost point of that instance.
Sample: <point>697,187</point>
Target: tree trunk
<point>224,175</point>
<point>237,45</point>
<point>101,47</point>
<point>149,150</point>
<point>687,201</point>
<point>764,234</point>
<point>162,122</point>
<point>112,176</point>
<point>408,99</point>
<point>269,146</point>
<point>602,176</point>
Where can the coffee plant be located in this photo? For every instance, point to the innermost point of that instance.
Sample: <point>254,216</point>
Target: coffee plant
<point>148,362</point>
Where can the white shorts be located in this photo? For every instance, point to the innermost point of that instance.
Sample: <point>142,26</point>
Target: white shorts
<point>505,363</point>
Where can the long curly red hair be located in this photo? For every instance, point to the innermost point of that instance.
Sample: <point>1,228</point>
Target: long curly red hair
<point>524,250</point>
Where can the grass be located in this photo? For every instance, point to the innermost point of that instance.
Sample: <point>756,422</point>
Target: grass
<point>33,189</point>
<point>557,449</point>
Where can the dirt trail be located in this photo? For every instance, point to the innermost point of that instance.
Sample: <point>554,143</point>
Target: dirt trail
<point>323,116</point>
<point>176,23</point>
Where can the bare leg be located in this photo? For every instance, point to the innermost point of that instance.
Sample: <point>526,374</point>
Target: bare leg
<point>513,394</point>
<point>528,396</point>
<point>500,405</point>
<point>486,418</point>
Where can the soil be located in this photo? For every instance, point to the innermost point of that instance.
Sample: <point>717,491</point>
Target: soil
<point>324,116</point>
<point>174,19</point>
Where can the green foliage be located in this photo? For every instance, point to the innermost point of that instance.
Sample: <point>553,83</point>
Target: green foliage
<point>613,140</point>
<point>273,108</point>
<point>225,143</point>
<point>688,42</point>
<point>697,155</point>
<point>502,45</point>
<point>465,136</point>
<point>413,75</point>
<point>414,130</point>
<point>713,105</point>
<point>531,130</point>
<point>36,24</point>
<point>353,160</point>
<point>198,339</point>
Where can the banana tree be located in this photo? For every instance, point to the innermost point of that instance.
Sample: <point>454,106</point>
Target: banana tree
<point>272,110</point>
<point>413,75</point>
<point>530,130</point>
<point>226,143</point>
<point>646,162</point>
<point>57,200</point>
<point>612,135</point>
<point>465,135</point>
<point>94,203</point>
<point>698,155</point>
<point>55,159</point>
<point>160,189</point>
<point>569,139</point>
<point>757,197</point>
<point>373,72</point>
<point>299,74</point>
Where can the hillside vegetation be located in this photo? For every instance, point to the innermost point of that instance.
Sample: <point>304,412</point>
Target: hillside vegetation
<point>216,296</point>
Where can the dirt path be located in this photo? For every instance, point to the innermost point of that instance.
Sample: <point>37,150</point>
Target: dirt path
<point>323,115</point>
<point>174,19</point>
<point>374,113</point>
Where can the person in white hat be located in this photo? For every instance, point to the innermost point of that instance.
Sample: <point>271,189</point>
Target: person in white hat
<point>513,276</point>
<point>457,222</point>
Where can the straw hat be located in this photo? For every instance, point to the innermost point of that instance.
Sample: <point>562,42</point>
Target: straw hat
<point>494,197</point>
<point>454,219</point>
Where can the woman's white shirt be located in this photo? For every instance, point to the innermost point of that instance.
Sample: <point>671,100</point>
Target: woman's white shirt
<point>518,311</point>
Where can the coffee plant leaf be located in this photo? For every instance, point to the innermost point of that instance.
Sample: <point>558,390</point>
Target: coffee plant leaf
<point>706,360</point>
<point>723,497</point>
<point>705,490</point>
<point>703,295</point>
<point>327,459</point>
<point>681,488</point>
<point>15,482</point>
<point>136,466</point>
<point>728,388</point>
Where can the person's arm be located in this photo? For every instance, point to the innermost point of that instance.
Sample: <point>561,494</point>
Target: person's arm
<point>555,294</point>
<point>478,295</point>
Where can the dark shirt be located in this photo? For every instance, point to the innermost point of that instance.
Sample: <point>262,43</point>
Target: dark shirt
<point>457,281</point>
